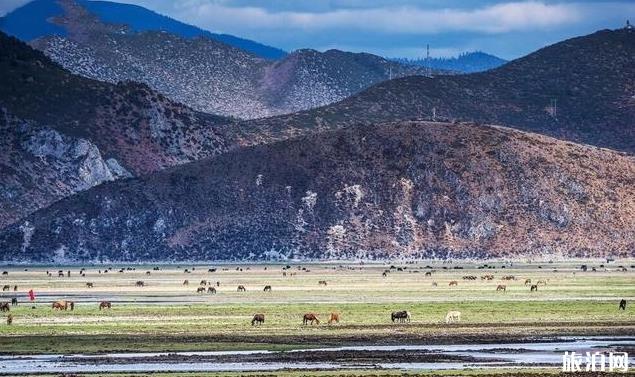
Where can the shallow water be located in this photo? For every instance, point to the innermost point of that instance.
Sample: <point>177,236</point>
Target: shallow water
<point>509,355</point>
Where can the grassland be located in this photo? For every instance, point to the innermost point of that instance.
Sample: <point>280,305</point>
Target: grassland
<point>166,315</point>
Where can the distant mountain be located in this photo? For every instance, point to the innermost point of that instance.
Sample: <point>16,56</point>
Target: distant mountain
<point>581,89</point>
<point>32,21</point>
<point>397,190</point>
<point>61,133</point>
<point>468,62</point>
<point>208,75</point>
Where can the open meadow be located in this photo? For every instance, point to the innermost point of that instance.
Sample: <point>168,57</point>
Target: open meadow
<point>167,315</point>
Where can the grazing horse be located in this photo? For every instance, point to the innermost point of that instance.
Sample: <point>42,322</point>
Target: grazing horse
<point>59,305</point>
<point>89,285</point>
<point>322,282</point>
<point>14,301</point>
<point>501,287</point>
<point>335,317</point>
<point>241,288</point>
<point>267,288</point>
<point>527,281</point>
<point>140,283</point>
<point>105,305</point>
<point>310,317</point>
<point>4,307</point>
<point>401,316</point>
<point>534,287</point>
<point>200,290</point>
<point>453,316</point>
<point>6,288</point>
<point>211,290</point>
<point>258,319</point>
<point>453,283</point>
<point>622,305</point>
<point>186,282</point>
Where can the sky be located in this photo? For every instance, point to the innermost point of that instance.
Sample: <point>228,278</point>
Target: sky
<point>396,28</point>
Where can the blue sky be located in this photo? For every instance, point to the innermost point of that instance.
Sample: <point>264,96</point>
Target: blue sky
<point>397,28</point>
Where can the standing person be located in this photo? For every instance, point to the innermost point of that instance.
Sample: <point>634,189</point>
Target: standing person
<point>32,298</point>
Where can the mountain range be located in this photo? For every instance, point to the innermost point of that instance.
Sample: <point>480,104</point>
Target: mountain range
<point>101,160</point>
<point>205,72</point>
<point>581,89</point>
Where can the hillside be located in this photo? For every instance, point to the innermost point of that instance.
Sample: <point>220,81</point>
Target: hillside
<point>31,21</point>
<point>397,190</point>
<point>62,133</point>
<point>206,74</point>
<point>468,62</point>
<point>591,78</point>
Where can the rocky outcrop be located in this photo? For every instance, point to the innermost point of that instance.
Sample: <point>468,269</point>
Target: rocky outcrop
<point>39,166</point>
<point>398,190</point>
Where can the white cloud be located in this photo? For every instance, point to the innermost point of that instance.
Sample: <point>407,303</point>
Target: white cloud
<point>499,18</point>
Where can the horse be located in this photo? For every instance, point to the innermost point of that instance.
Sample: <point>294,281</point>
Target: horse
<point>322,282</point>
<point>267,288</point>
<point>434,284</point>
<point>200,290</point>
<point>543,282</point>
<point>527,281</point>
<point>203,282</point>
<point>15,288</point>
<point>148,272</point>
<point>401,316</point>
<point>4,307</point>
<point>5,272</point>
<point>59,305</point>
<point>428,273</point>
<point>622,305</point>
<point>241,288</point>
<point>14,301</point>
<point>453,283</point>
<point>310,317</point>
<point>6,288</point>
<point>452,316</point>
<point>140,283</point>
<point>335,317</point>
<point>105,305</point>
<point>89,285</point>
<point>534,287</point>
<point>211,290</point>
<point>186,282</point>
<point>501,287</point>
<point>258,319</point>
<point>9,319</point>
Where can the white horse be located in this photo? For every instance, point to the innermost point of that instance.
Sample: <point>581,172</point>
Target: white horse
<point>453,316</point>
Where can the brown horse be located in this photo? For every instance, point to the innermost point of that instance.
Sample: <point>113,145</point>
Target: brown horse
<point>4,307</point>
<point>6,288</point>
<point>310,317</point>
<point>140,283</point>
<point>105,305</point>
<point>267,288</point>
<point>186,282</point>
<point>258,319</point>
<point>453,283</point>
<point>200,290</point>
<point>203,282</point>
<point>322,282</point>
<point>63,305</point>
<point>401,316</point>
<point>9,319</point>
<point>534,287</point>
<point>335,317</point>
<point>89,285</point>
<point>211,290</point>
<point>501,287</point>
<point>527,281</point>
<point>241,288</point>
